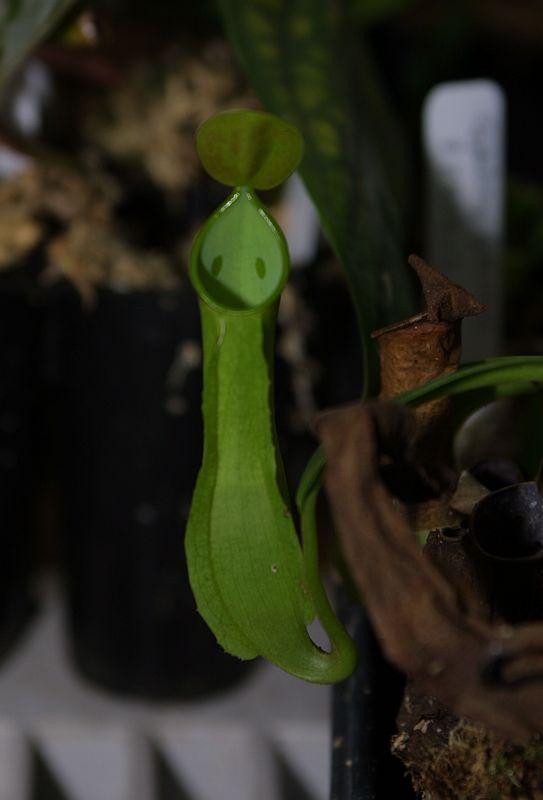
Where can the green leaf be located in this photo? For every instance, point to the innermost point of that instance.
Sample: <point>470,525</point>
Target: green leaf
<point>309,64</point>
<point>497,377</point>
<point>474,385</point>
<point>311,477</point>
<point>249,148</point>
<point>23,24</point>
<point>253,585</point>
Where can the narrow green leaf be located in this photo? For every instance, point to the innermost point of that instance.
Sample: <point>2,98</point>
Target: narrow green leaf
<point>311,477</point>
<point>309,63</point>
<point>474,385</point>
<point>23,24</point>
<point>502,376</point>
<point>249,148</point>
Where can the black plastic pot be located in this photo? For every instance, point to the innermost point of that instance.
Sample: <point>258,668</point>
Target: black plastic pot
<point>132,441</point>
<point>365,708</point>
<point>20,324</point>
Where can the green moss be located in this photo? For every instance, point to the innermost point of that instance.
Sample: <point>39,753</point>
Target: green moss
<point>476,765</point>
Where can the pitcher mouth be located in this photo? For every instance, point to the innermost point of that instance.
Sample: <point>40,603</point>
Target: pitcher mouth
<point>239,279</point>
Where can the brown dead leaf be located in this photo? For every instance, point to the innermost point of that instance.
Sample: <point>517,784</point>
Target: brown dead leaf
<point>431,629</point>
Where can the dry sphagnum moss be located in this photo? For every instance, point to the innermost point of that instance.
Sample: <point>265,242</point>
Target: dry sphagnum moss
<point>89,256</point>
<point>151,119</point>
<point>41,195</point>
<point>73,216</point>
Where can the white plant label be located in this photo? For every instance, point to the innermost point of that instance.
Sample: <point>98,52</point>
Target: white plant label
<point>299,220</point>
<point>464,150</point>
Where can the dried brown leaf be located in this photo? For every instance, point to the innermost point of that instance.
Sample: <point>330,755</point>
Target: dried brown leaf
<point>487,672</point>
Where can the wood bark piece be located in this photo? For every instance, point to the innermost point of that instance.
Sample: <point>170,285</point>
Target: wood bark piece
<point>488,672</point>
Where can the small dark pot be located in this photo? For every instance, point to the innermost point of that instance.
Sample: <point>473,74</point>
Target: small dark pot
<point>132,449</point>
<point>365,708</point>
<point>506,538</point>
<point>20,324</point>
